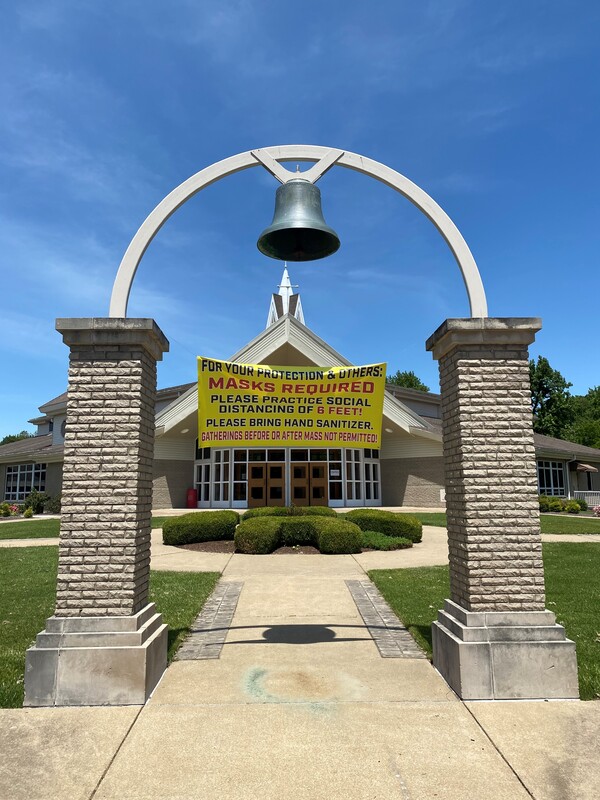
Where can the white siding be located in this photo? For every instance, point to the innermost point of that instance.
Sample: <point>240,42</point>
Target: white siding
<point>405,446</point>
<point>57,437</point>
<point>174,449</point>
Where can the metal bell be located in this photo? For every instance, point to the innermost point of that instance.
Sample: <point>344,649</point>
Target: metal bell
<point>298,231</point>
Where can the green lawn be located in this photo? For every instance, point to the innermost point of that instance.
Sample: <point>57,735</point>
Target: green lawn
<point>550,523</point>
<point>572,523</point>
<point>437,519</point>
<point>27,593</point>
<point>44,528</point>
<point>572,592</point>
<point>30,529</point>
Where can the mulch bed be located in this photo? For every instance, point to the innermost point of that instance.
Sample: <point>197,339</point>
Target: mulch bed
<point>211,547</point>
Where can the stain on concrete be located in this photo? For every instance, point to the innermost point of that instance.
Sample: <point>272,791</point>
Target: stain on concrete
<point>296,687</point>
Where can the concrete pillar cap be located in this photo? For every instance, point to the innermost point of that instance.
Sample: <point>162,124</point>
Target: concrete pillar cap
<point>114,332</point>
<point>508,332</point>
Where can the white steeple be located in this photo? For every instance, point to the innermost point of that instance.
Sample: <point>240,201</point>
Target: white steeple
<point>285,301</point>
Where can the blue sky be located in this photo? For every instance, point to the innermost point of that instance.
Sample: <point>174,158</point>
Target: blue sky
<point>492,108</point>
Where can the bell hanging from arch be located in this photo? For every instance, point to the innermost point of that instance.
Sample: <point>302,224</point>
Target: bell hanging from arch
<point>298,231</point>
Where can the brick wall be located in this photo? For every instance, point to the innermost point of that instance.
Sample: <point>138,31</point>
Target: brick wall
<point>171,480</point>
<point>412,482</point>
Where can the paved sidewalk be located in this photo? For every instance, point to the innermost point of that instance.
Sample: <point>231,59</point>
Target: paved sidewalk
<point>301,704</point>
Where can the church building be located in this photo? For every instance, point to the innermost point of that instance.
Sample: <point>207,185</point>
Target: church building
<point>408,469</point>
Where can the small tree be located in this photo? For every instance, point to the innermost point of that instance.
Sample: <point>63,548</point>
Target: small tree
<point>408,380</point>
<point>16,437</point>
<point>550,399</point>
<point>585,427</point>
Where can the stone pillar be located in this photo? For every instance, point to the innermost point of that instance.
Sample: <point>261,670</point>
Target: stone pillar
<point>105,644</point>
<point>494,639</point>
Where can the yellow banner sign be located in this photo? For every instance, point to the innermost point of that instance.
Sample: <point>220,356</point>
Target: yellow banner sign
<point>250,405</point>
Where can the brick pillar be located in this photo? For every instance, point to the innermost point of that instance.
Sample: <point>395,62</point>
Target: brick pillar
<point>494,639</point>
<point>103,625</point>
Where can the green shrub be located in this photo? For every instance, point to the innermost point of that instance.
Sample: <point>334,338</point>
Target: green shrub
<point>257,536</point>
<point>200,526</point>
<point>296,530</point>
<point>556,505</point>
<point>35,501</point>
<point>336,536</point>
<point>572,507</point>
<point>28,513</point>
<point>544,502</point>
<point>582,503</point>
<point>4,510</point>
<point>265,511</point>
<point>289,511</point>
<point>387,522</point>
<point>379,541</point>
<point>312,511</point>
<point>52,506</point>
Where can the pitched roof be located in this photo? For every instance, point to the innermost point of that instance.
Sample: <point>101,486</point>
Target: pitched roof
<point>570,450</point>
<point>545,444</point>
<point>35,447</point>
<point>62,398</point>
<point>289,336</point>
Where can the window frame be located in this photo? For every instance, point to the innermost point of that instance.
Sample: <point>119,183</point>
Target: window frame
<point>20,487</point>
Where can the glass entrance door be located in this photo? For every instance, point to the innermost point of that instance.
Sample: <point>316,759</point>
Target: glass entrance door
<point>253,477</point>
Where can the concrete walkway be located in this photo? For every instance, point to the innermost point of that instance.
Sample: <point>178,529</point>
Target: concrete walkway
<point>301,704</point>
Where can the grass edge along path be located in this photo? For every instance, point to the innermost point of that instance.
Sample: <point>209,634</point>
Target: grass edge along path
<point>549,523</point>
<point>572,592</point>
<point>27,597</point>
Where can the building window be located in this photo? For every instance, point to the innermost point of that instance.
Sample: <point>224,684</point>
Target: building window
<point>551,478</point>
<point>22,478</point>
<point>372,477</point>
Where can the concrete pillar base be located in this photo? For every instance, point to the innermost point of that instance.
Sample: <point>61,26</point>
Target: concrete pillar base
<point>96,661</point>
<point>513,655</point>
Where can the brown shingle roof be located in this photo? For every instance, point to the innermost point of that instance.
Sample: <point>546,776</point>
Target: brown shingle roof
<point>62,398</point>
<point>27,449</point>
<point>562,446</point>
<point>175,390</point>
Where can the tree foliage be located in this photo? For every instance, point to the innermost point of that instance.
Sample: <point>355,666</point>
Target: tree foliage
<point>16,437</point>
<point>550,399</point>
<point>408,380</point>
<point>585,428</point>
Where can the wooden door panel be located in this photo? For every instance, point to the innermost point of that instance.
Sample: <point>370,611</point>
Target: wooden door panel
<point>300,484</point>
<point>257,485</point>
<point>318,484</point>
<point>276,484</point>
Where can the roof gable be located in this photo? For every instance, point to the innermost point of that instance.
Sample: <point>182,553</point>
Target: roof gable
<point>297,345</point>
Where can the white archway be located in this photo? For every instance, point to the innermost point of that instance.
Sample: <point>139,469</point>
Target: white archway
<point>270,158</point>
